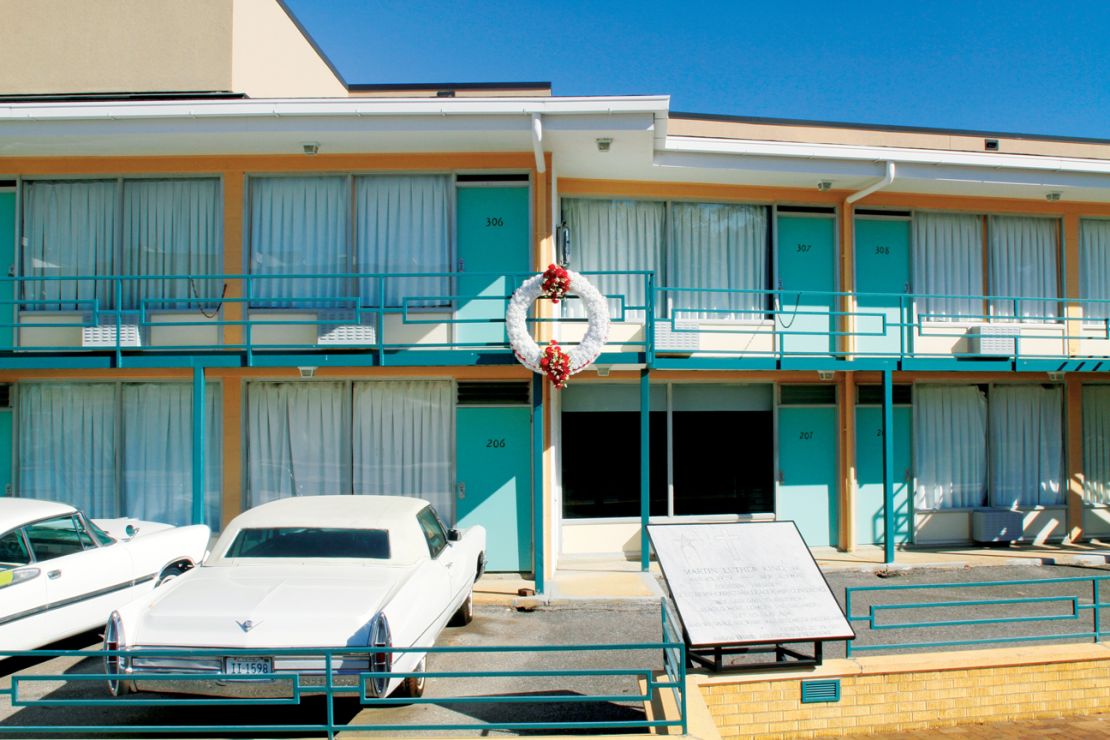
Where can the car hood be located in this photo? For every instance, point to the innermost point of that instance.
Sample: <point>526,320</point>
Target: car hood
<point>264,605</point>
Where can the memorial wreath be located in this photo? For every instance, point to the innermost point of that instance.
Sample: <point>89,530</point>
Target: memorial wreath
<point>557,363</point>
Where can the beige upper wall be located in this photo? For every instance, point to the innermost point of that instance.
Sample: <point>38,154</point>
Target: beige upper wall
<point>818,134</point>
<point>103,46</point>
<point>271,58</point>
<point>142,46</point>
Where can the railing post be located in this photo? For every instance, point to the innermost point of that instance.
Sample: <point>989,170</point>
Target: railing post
<point>645,466</point>
<point>118,290</point>
<point>1095,604</point>
<point>888,466</point>
<point>199,425</point>
<point>848,616</point>
<point>649,319</point>
<point>381,319</point>
<point>245,315</point>
<point>537,484</point>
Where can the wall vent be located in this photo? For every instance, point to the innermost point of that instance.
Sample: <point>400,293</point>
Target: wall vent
<point>807,395</point>
<point>499,177</point>
<point>827,690</point>
<point>872,395</point>
<point>5,395</point>
<point>990,145</point>
<point>495,393</point>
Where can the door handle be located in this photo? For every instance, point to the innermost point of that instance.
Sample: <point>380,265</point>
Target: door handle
<point>54,575</point>
<point>460,489</point>
<point>782,477</point>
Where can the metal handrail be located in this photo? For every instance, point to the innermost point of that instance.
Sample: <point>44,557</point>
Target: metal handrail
<point>672,678</point>
<point>1020,615</point>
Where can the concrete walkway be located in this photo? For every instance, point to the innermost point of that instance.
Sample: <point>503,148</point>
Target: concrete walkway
<point>617,578</point>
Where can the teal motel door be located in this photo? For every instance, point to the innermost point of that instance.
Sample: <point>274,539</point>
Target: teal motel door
<point>493,239</point>
<point>804,308</point>
<point>494,489</point>
<point>869,473</point>
<point>8,259</point>
<point>807,490</point>
<point>883,285</point>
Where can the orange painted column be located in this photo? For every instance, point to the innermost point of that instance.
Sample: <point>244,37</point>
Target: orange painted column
<point>846,401</point>
<point>543,254</point>
<point>1074,441</point>
<point>234,192</point>
<point>1073,311</point>
<point>846,479</point>
<point>232,448</point>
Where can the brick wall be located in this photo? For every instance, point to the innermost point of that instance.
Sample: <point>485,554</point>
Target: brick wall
<point>893,693</point>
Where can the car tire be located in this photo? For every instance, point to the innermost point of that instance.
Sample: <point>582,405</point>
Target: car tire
<point>412,687</point>
<point>172,571</point>
<point>465,614</point>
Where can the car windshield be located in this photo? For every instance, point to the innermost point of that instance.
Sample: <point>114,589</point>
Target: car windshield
<point>310,542</point>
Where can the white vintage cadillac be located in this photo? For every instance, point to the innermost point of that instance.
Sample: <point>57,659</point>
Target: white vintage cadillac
<point>303,572</point>
<point>62,573</point>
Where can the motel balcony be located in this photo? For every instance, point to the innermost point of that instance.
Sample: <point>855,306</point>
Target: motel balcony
<point>450,319</point>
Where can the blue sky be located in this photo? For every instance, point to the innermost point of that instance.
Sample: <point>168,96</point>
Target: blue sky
<point>1016,66</point>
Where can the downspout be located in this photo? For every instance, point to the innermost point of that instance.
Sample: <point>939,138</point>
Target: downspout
<point>537,143</point>
<point>887,180</point>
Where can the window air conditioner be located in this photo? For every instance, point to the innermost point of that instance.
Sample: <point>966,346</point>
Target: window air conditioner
<point>996,525</point>
<point>681,337</point>
<point>104,335</point>
<point>340,328</point>
<point>992,340</point>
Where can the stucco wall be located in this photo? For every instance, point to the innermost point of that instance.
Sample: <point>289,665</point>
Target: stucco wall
<point>98,46</point>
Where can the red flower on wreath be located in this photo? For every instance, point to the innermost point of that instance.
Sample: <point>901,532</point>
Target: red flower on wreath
<point>555,363</point>
<point>556,283</point>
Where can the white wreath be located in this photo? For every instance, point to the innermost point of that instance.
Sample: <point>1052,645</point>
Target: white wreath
<point>597,313</point>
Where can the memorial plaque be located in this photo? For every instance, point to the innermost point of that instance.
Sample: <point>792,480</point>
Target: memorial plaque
<point>746,583</point>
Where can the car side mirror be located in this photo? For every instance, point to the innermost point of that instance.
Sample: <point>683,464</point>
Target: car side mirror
<point>130,530</point>
<point>19,575</point>
<point>454,535</point>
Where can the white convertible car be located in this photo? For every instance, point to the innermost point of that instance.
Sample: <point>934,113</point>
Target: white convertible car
<point>62,573</point>
<point>303,572</point>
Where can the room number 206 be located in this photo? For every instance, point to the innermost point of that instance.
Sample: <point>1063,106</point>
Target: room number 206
<point>495,443</point>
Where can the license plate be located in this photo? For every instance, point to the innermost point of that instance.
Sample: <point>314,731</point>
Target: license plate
<point>248,666</point>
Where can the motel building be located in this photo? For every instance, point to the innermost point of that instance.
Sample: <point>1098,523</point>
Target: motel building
<point>234,276</point>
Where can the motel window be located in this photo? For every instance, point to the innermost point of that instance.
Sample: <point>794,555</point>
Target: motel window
<point>999,446</point>
<point>1094,268</point>
<point>711,450</point>
<point>712,258</point>
<point>320,242</point>
<point>116,449</point>
<point>372,437</point>
<point>1096,444</point>
<point>164,237</point>
<point>959,259</point>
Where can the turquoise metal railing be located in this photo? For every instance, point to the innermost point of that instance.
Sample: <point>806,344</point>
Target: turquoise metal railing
<point>383,314</point>
<point>1082,600</point>
<point>672,678</point>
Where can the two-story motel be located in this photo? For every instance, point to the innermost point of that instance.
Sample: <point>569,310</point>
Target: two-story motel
<point>233,276</point>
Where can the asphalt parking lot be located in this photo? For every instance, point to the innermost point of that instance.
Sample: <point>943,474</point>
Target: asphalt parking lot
<point>577,622</point>
<point>610,623</point>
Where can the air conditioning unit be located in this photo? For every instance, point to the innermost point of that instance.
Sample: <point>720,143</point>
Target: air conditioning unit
<point>992,340</point>
<point>341,328</point>
<point>676,336</point>
<point>996,525</point>
<point>110,336</point>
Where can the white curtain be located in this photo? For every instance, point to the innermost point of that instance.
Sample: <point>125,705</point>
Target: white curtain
<point>615,235</point>
<point>950,446</point>
<point>1026,446</point>
<point>1023,265</point>
<point>158,452</point>
<point>404,440</point>
<point>171,227</point>
<point>1096,444</point>
<point>718,246</point>
<point>300,226</point>
<point>67,445</point>
<point>69,230</point>
<point>403,225</point>
<point>948,266</point>
<point>1094,267</point>
<point>297,441</point>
